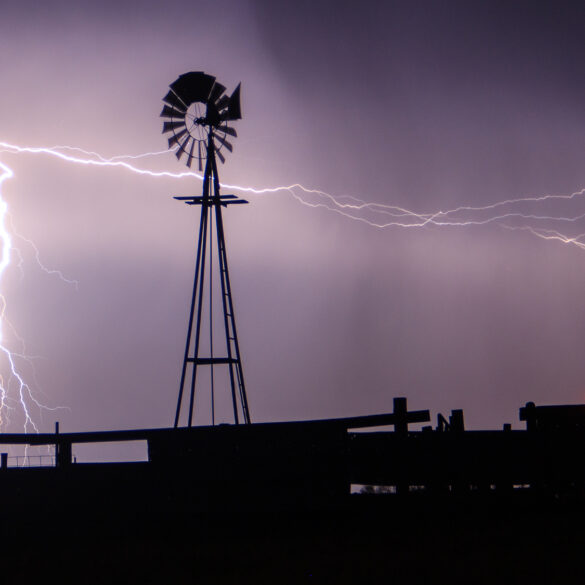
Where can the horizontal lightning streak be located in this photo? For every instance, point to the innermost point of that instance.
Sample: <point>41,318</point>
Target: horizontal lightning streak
<point>100,162</point>
<point>347,206</point>
<point>546,234</point>
<point>503,213</point>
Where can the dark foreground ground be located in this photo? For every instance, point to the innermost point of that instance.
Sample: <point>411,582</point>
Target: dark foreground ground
<point>145,531</point>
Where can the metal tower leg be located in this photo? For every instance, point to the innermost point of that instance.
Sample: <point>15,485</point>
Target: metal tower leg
<point>233,348</point>
<point>231,334</point>
<point>210,201</point>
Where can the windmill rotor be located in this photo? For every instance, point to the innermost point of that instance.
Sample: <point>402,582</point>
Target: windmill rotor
<point>196,110</point>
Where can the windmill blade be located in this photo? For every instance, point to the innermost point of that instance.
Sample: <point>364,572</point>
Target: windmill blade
<point>228,130</point>
<point>168,112</point>
<point>216,92</point>
<point>190,157</point>
<point>176,137</point>
<point>168,126</point>
<point>225,143</point>
<point>183,146</point>
<point>173,100</point>
<point>194,86</point>
<point>220,156</point>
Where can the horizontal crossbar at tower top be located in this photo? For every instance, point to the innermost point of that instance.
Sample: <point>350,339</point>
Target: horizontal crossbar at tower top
<point>224,200</point>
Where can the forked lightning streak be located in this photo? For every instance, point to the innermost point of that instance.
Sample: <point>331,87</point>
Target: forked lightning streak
<point>15,393</point>
<point>511,214</point>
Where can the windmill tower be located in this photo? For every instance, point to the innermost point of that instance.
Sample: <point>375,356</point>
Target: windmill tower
<point>197,113</point>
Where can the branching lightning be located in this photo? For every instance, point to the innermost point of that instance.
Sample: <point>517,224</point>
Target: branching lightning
<point>15,392</point>
<point>50,271</point>
<point>507,213</point>
<point>512,214</point>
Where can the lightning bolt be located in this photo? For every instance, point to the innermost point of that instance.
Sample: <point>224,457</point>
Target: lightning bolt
<point>45,269</point>
<point>16,393</point>
<point>373,214</point>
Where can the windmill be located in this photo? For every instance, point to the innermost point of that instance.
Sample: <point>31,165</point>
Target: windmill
<point>197,114</point>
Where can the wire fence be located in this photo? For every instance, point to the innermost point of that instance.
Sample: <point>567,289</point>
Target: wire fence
<point>31,461</point>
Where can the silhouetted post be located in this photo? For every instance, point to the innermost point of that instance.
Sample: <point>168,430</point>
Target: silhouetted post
<point>442,424</point>
<point>456,422</point>
<point>63,454</point>
<point>401,429</point>
<point>400,416</point>
<point>528,413</point>
<point>401,420</point>
<point>56,443</point>
<point>62,450</point>
<point>4,460</point>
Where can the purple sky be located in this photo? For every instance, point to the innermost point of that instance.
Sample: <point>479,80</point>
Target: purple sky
<point>428,108</point>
